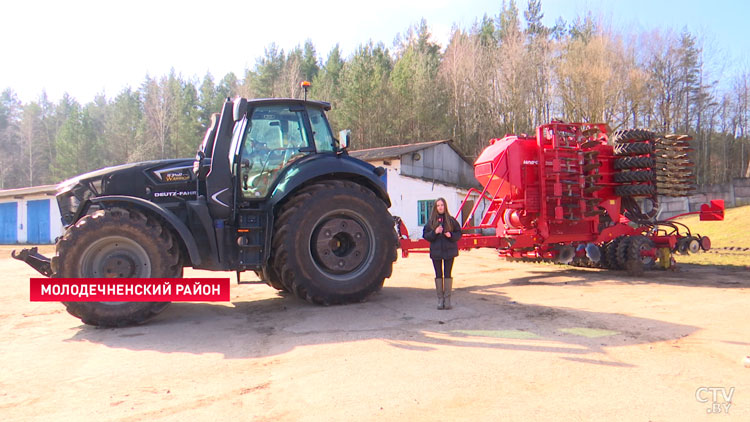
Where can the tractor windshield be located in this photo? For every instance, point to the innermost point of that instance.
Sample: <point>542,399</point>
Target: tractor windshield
<point>321,130</point>
<point>273,139</point>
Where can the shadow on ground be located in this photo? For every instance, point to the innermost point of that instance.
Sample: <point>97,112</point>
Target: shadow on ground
<point>403,317</point>
<point>688,275</point>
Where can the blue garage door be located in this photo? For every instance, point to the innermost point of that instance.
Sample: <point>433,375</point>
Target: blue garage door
<point>8,222</point>
<point>37,221</point>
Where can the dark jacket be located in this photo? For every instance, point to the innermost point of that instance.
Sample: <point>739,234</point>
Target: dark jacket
<point>442,247</point>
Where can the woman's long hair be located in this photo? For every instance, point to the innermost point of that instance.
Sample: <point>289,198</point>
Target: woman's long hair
<point>434,216</point>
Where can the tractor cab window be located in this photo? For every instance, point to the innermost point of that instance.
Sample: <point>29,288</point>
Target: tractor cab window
<point>273,138</point>
<point>321,130</point>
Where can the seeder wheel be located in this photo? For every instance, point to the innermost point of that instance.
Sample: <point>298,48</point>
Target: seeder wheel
<point>636,262</point>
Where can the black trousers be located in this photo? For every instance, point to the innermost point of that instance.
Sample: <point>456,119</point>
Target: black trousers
<point>443,267</point>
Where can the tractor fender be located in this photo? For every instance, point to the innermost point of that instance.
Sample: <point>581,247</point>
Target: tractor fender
<point>168,216</point>
<point>330,166</point>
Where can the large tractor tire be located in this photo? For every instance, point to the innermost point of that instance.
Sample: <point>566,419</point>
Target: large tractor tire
<point>116,243</point>
<point>634,176</point>
<point>334,243</point>
<point>634,163</point>
<point>632,135</point>
<point>636,148</point>
<point>635,190</point>
<point>269,276</point>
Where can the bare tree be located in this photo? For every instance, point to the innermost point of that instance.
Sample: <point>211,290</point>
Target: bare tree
<point>30,132</point>
<point>158,106</point>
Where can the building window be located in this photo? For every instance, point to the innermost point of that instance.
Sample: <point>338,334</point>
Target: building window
<point>423,211</point>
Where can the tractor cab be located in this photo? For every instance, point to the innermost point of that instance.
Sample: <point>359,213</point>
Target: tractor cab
<point>250,143</point>
<point>272,137</point>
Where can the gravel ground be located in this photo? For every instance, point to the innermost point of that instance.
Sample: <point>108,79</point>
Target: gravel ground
<point>524,342</point>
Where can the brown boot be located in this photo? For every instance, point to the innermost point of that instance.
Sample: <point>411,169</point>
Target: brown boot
<point>448,282</point>
<point>440,294</point>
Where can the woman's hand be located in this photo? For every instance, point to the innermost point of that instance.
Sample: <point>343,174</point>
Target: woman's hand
<point>448,235</point>
<point>439,230</point>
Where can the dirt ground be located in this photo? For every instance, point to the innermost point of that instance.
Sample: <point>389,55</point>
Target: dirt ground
<point>524,342</point>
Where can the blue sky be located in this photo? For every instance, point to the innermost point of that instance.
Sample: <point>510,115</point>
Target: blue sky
<point>85,47</point>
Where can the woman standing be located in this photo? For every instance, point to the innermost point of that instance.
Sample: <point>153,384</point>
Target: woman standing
<point>443,232</point>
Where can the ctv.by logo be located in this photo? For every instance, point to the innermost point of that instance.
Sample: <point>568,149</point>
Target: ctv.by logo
<point>711,395</point>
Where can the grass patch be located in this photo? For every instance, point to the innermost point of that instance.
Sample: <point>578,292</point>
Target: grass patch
<point>589,332</point>
<point>510,334</point>
<point>733,232</point>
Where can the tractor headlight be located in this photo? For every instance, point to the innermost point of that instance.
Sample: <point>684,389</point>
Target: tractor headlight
<point>70,195</point>
<point>68,204</point>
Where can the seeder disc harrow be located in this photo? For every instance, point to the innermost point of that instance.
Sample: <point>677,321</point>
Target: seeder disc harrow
<point>592,188</point>
<point>671,143</point>
<point>591,131</point>
<point>671,155</point>
<point>668,172</point>
<point>675,162</point>
<point>590,154</point>
<point>677,137</point>
<point>591,166</point>
<point>589,144</point>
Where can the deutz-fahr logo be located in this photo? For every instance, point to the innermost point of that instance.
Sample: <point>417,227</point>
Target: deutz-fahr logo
<point>173,194</point>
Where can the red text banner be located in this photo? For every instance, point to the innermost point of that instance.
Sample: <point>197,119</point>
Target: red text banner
<point>129,290</point>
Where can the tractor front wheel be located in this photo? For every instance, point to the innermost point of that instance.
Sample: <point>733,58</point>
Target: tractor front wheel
<point>116,243</point>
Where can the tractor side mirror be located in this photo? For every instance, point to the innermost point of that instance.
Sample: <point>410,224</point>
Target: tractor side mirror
<point>344,138</point>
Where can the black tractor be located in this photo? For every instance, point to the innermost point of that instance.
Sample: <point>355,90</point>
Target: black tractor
<point>271,190</point>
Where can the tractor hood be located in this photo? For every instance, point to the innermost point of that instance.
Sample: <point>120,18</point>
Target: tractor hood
<point>151,180</point>
<point>123,169</point>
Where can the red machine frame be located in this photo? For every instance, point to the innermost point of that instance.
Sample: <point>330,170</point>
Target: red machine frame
<point>547,194</point>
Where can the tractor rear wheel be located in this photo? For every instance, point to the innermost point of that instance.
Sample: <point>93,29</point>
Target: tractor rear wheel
<point>334,242</point>
<point>116,243</point>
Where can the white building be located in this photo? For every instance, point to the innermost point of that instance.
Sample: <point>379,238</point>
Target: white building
<point>29,215</point>
<point>417,174</point>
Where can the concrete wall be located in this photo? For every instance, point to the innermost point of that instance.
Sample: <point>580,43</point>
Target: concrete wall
<point>734,194</point>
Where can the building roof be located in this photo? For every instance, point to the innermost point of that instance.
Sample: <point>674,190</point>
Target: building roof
<point>34,190</point>
<point>383,153</point>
